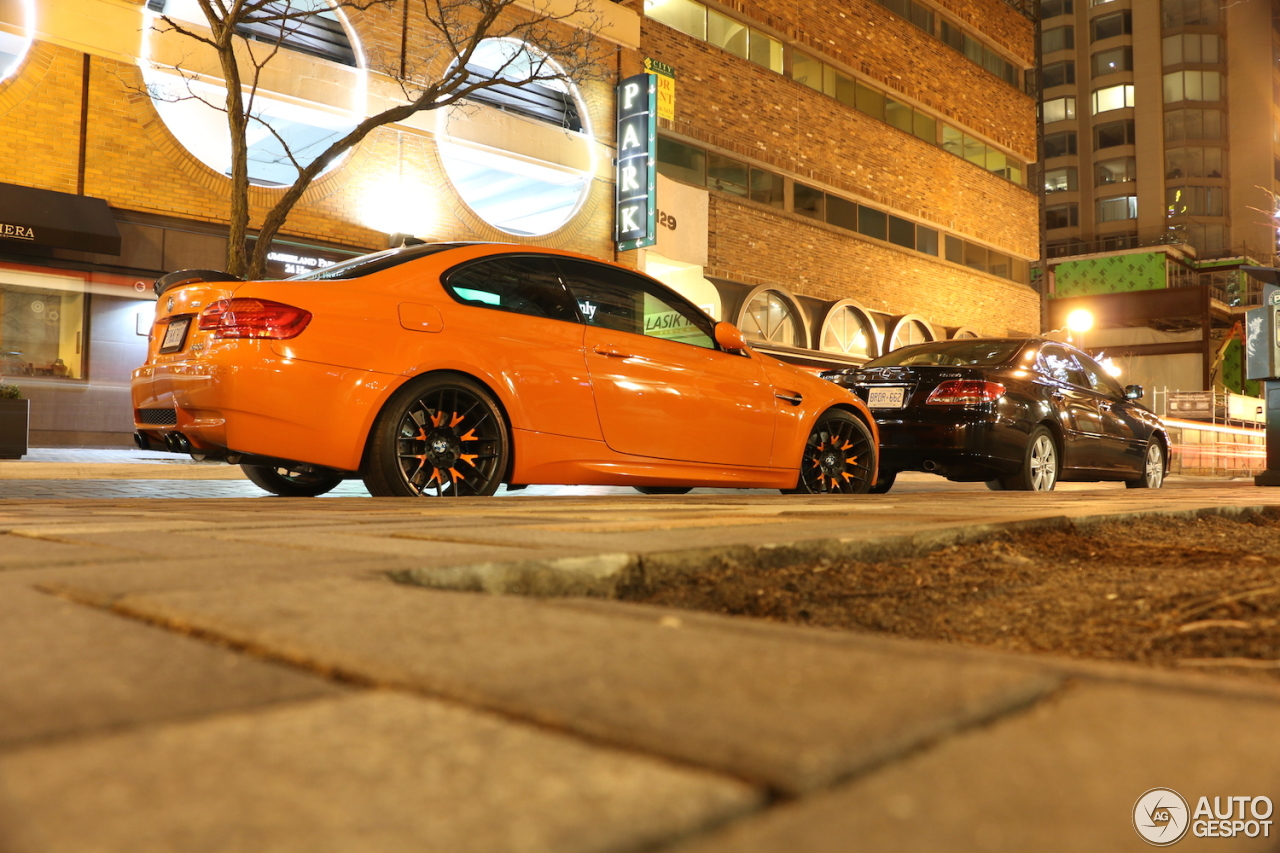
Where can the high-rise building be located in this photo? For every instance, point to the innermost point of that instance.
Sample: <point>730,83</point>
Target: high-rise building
<point>1160,171</point>
<point>1160,125</point>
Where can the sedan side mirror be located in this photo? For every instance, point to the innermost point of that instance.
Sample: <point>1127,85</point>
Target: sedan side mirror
<point>729,337</point>
<point>1133,392</point>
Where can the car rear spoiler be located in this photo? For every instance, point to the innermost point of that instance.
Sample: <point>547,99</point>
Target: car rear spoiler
<point>181,277</point>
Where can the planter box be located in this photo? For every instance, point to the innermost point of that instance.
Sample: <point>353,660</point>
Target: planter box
<point>15,416</point>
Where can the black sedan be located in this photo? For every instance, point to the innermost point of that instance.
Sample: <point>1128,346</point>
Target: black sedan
<point>1016,413</point>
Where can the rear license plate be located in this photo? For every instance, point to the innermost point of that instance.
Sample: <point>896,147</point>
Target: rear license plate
<point>175,335</point>
<point>886,398</point>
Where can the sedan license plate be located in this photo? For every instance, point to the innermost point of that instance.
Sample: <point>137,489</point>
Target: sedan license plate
<point>175,335</point>
<point>886,398</point>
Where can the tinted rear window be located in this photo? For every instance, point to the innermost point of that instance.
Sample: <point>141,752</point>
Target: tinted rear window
<point>967,353</point>
<point>377,262</point>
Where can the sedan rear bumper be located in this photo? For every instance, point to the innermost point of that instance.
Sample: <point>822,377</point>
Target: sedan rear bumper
<point>966,445</point>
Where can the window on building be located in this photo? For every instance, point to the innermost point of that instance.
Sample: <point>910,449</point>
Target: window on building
<point>921,16</point>
<point>1192,124</point>
<point>1117,209</point>
<point>1193,201</point>
<point>727,175</point>
<point>307,26</point>
<point>14,43</point>
<point>1209,239</point>
<point>1115,171</point>
<point>1112,98</point>
<point>686,16</point>
<point>725,32</point>
<point>1058,109</point>
<point>1184,13</point>
<point>41,332</point>
<point>1112,133</point>
<point>1192,86</point>
<point>765,50</point>
<point>1058,74</point>
<point>872,222</point>
<point>1062,144</point>
<point>1191,47</point>
<point>771,318</point>
<point>808,201</point>
<point>1108,26</point>
<point>842,213</point>
<point>1061,215</point>
<point>768,188</point>
<point>806,70</point>
<point>682,162</point>
<point>956,38</point>
<point>1060,180</point>
<point>1193,163</point>
<point>1112,61</point>
<point>909,332</point>
<point>1054,8</point>
<point>902,232</point>
<point>927,240</point>
<point>848,331</point>
<point>1057,38</point>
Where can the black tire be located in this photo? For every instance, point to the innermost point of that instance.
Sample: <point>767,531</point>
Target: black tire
<point>1152,468</point>
<point>884,482</point>
<point>838,458</point>
<point>995,485</point>
<point>1040,464</point>
<point>439,436</point>
<point>663,490</point>
<point>300,481</point>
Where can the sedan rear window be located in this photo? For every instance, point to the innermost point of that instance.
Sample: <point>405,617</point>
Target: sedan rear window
<point>950,354</point>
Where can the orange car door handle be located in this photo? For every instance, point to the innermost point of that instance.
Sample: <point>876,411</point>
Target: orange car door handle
<point>611,351</point>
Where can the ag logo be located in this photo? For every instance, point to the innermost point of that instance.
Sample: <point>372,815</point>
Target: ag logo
<point>1160,816</point>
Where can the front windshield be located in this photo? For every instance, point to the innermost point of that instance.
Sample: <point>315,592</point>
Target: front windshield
<point>377,262</point>
<point>966,353</point>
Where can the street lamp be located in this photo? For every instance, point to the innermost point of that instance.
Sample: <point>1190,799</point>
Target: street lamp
<point>1080,321</point>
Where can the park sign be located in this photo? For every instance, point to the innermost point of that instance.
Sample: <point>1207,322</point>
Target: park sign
<point>637,177</point>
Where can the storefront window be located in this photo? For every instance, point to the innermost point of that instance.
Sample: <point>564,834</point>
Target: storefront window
<point>849,331</point>
<point>41,332</point>
<point>15,34</point>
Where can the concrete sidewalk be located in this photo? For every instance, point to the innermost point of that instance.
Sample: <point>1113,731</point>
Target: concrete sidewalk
<point>310,675</point>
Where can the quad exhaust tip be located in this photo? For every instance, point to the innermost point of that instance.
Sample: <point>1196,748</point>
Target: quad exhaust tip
<point>176,442</point>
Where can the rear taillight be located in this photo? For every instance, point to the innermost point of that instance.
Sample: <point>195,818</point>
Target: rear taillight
<point>253,318</point>
<point>965,392</point>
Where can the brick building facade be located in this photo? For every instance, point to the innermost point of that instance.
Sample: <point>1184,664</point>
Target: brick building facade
<point>862,168</point>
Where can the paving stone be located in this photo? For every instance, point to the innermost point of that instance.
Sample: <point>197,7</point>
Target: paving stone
<point>792,714</point>
<point>1064,777</point>
<point>374,772</point>
<point>67,669</point>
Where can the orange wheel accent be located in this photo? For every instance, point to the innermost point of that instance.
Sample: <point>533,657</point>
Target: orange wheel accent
<point>469,458</point>
<point>456,475</point>
<point>437,419</point>
<point>470,436</point>
<point>455,420</point>
<point>852,460</point>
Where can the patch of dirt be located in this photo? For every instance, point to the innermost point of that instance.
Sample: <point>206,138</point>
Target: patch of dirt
<point>1200,595</point>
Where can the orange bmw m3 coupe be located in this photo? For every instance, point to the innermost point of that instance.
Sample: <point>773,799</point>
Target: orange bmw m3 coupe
<point>448,369</point>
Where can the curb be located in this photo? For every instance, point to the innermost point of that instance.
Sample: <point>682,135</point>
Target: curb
<point>609,575</point>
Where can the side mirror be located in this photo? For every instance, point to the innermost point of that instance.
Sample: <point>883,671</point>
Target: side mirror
<point>729,337</point>
<point>1133,392</point>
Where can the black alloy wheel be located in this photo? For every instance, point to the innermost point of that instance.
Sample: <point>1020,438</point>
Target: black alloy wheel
<point>441,436</point>
<point>663,490</point>
<point>1152,468</point>
<point>839,457</point>
<point>299,481</point>
<point>1040,466</point>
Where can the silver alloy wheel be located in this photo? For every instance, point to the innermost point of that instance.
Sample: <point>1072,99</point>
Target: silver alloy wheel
<point>1155,466</point>
<point>1043,461</point>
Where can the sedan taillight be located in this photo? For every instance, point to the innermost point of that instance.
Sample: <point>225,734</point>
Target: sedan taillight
<point>253,318</point>
<point>965,392</point>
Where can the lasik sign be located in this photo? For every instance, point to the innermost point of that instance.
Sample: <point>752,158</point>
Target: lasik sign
<point>637,176</point>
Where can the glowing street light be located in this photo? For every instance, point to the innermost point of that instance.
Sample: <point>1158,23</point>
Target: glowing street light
<point>1080,321</point>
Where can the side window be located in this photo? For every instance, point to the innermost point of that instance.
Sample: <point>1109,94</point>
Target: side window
<point>626,302</point>
<point>1059,365</point>
<point>1099,379</point>
<point>528,285</point>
